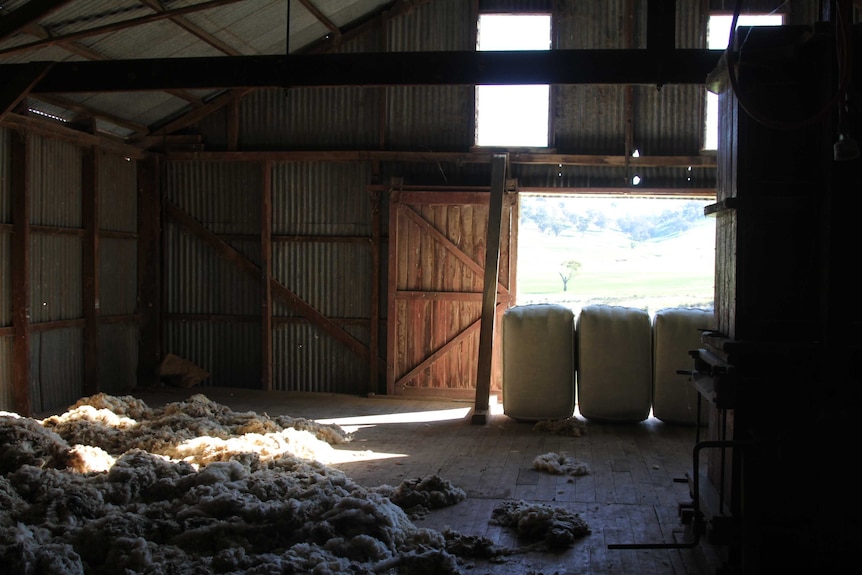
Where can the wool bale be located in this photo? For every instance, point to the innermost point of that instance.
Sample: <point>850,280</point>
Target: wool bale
<point>538,362</point>
<point>614,363</point>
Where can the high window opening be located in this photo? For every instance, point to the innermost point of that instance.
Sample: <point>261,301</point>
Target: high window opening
<point>513,116</point>
<point>647,253</point>
<point>717,36</point>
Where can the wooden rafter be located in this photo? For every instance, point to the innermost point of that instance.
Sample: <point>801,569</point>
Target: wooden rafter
<point>82,110</point>
<point>17,88</point>
<point>478,156</point>
<point>193,29</point>
<point>39,31</point>
<point>108,28</point>
<point>321,17</point>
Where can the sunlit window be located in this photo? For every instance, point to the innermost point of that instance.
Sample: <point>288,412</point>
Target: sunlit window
<point>513,116</point>
<point>717,35</point>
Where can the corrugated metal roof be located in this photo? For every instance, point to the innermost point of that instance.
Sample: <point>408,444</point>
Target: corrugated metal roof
<point>236,28</point>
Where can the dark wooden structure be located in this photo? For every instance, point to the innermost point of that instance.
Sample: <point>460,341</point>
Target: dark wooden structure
<point>771,496</point>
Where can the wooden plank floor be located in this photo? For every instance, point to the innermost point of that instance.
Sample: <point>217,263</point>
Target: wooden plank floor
<point>630,495</point>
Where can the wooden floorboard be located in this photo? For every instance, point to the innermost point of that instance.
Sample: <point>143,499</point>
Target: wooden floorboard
<point>630,495</point>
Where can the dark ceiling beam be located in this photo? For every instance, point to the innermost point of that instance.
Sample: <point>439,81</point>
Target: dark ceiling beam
<point>661,25</point>
<point>27,14</point>
<point>557,67</point>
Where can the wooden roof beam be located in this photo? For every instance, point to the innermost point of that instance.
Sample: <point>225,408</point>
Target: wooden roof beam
<point>193,29</point>
<point>321,17</point>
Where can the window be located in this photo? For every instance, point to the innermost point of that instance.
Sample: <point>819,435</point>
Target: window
<point>513,116</point>
<point>717,35</point>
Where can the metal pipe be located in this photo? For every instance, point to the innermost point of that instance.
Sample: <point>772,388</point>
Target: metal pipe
<point>722,444</point>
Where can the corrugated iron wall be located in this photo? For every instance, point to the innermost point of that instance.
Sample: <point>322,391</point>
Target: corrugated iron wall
<point>321,251</point>
<point>212,308</point>
<point>118,272</point>
<point>56,367</point>
<point>321,202</point>
<point>56,273</point>
<point>431,118</point>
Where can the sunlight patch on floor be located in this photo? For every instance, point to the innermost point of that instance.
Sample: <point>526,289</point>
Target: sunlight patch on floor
<point>351,424</point>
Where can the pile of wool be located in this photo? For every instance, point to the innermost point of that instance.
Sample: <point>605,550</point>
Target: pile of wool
<point>560,464</point>
<point>419,495</point>
<point>197,430</point>
<point>569,427</point>
<point>543,525</point>
<point>162,508</point>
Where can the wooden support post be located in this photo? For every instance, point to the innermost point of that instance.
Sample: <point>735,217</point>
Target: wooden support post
<point>20,183</point>
<point>149,271</point>
<point>489,299</point>
<point>374,315</point>
<point>392,286</point>
<point>266,276</point>
<point>90,269</point>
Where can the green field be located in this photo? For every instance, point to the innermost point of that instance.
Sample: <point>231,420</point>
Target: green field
<point>653,274</point>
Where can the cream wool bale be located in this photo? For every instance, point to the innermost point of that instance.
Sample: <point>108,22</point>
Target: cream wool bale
<point>676,331</point>
<point>614,363</point>
<point>538,362</point>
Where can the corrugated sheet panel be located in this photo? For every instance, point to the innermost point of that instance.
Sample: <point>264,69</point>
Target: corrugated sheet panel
<point>199,281</point>
<point>333,277</point>
<point>669,121</point>
<point>223,196</point>
<point>118,357</point>
<point>432,26</point>
<point>595,25</point>
<point>229,351</point>
<point>437,174</point>
<point>307,360</point>
<point>321,199</point>
<point>552,176</point>
<point>5,279</point>
<point>55,278</point>
<point>55,180</point>
<point>6,346</point>
<point>310,118</point>
<point>160,39</point>
<point>5,238</point>
<point>5,184</point>
<point>145,108</point>
<point>118,193</point>
<point>430,118</point>
<point>254,27</point>
<point>56,368</point>
<point>589,119</point>
<point>118,276</point>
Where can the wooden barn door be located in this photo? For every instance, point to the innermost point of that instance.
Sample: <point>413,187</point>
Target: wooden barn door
<point>436,274</point>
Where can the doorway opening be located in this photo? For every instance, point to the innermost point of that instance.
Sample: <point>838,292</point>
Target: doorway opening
<point>648,253</point>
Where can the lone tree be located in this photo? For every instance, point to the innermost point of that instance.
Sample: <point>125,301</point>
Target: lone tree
<point>567,270</point>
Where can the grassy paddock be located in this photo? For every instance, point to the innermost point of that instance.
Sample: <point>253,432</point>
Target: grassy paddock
<point>667,272</point>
